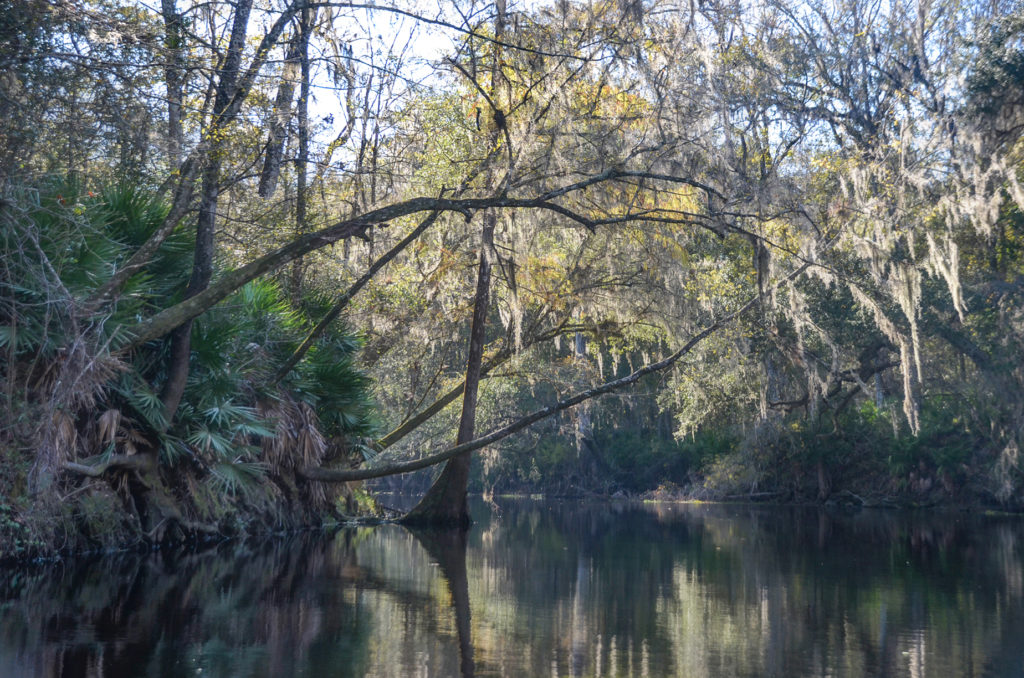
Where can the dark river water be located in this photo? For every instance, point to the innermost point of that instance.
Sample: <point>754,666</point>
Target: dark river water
<point>547,589</point>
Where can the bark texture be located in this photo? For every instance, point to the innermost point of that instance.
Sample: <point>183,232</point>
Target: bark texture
<point>445,501</point>
<point>202,258</point>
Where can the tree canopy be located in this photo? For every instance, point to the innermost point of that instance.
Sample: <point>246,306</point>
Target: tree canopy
<point>252,245</point>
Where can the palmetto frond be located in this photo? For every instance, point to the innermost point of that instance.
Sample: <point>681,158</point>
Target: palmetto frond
<point>237,477</point>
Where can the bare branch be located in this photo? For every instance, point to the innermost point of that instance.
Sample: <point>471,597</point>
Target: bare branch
<point>445,24</point>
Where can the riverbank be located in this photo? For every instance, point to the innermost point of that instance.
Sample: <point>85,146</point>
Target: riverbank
<point>105,527</point>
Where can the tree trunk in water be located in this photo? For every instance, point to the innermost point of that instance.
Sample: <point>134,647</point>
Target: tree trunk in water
<point>589,465</point>
<point>584,426</point>
<point>824,485</point>
<point>445,501</point>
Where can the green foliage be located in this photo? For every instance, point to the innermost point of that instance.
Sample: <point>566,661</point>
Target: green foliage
<point>864,450</point>
<point>62,242</point>
<point>997,79</point>
<point>362,503</point>
<point>642,461</point>
<point>16,538</point>
<point>240,345</point>
<point>60,245</point>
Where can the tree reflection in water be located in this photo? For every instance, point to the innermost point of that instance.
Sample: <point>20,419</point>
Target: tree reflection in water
<point>546,589</point>
<point>448,549</point>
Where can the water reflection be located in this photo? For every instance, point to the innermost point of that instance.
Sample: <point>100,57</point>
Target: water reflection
<point>547,589</point>
<point>448,549</point>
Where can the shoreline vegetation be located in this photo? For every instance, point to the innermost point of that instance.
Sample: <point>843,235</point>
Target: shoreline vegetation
<point>376,512</point>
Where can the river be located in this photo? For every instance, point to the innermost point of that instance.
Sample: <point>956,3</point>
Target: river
<point>546,588</point>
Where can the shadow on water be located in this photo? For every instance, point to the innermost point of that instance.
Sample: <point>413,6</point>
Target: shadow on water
<point>546,588</point>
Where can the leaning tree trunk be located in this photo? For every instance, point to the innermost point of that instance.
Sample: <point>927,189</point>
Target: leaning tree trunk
<point>445,501</point>
<point>202,264</point>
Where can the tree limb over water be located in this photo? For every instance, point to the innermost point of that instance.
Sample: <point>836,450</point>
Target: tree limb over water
<point>342,475</point>
<point>167,320</point>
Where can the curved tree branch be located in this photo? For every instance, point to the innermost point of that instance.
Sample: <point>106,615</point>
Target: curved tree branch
<point>343,475</point>
<point>346,297</point>
<point>167,320</point>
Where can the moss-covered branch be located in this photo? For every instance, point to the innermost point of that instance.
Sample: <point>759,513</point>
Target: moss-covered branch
<point>343,475</point>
